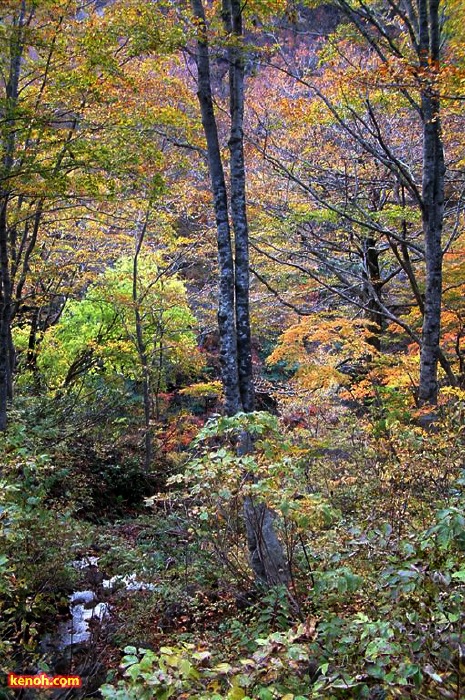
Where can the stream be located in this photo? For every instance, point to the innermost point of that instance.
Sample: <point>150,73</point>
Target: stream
<point>72,643</point>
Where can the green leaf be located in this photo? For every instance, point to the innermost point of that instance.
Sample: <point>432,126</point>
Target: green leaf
<point>129,661</point>
<point>223,668</point>
<point>266,694</point>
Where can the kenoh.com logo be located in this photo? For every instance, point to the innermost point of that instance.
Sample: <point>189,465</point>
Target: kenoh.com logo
<point>41,680</point>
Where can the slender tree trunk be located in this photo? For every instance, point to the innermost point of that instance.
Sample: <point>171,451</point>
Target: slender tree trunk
<point>31,357</point>
<point>433,199</point>
<point>226,301</point>
<point>5,318</point>
<point>232,13</point>
<point>266,553</point>
<point>142,351</point>
<point>32,347</point>
<point>8,146</point>
<point>372,292</point>
<point>421,20</point>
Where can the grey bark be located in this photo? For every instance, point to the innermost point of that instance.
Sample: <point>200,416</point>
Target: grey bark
<point>433,200</point>
<point>226,301</point>
<point>423,27</point>
<point>265,551</point>
<point>232,14</point>
<point>372,290</point>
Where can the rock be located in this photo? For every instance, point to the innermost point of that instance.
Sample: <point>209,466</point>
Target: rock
<point>130,582</point>
<point>76,632</point>
<point>82,598</point>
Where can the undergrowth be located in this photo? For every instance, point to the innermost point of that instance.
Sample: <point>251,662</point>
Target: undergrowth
<point>370,511</point>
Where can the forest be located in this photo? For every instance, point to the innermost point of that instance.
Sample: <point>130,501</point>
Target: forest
<point>232,349</point>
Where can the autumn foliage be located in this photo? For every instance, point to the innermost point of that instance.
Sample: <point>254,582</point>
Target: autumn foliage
<point>209,208</point>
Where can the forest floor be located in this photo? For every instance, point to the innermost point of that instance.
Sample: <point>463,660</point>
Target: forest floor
<point>372,519</point>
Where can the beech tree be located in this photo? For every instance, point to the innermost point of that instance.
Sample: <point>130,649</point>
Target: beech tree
<point>233,309</point>
<point>266,554</point>
<point>380,112</point>
<point>422,25</point>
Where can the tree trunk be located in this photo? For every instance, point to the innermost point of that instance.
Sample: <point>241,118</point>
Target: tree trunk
<point>5,319</point>
<point>12,93</point>
<point>266,554</point>
<point>421,21</point>
<point>142,351</point>
<point>372,290</point>
<point>433,199</point>
<point>226,301</point>
<point>265,550</point>
<point>238,202</point>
